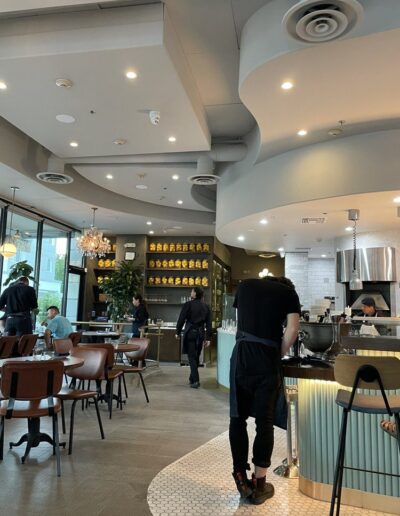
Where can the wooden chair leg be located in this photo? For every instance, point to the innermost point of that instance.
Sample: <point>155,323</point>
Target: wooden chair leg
<point>144,387</point>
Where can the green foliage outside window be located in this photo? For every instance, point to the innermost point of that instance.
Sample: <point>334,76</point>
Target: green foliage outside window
<point>45,300</point>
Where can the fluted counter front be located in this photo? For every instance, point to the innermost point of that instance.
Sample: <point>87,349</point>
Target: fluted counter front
<point>367,446</point>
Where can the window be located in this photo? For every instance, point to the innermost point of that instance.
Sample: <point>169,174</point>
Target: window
<point>75,255</point>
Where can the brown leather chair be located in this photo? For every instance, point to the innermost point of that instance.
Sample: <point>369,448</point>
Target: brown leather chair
<point>63,345</point>
<point>75,336</point>
<point>92,369</point>
<point>110,374</point>
<point>7,345</point>
<point>30,388</point>
<point>26,344</point>
<point>140,357</point>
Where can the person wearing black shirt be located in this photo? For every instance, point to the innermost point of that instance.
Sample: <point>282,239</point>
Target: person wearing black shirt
<point>17,301</point>
<point>140,315</point>
<point>196,316</point>
<point>255,376</point>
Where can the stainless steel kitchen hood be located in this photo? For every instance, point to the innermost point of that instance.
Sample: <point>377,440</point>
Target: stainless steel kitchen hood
<point>380,303</point>
<point>373,264</point>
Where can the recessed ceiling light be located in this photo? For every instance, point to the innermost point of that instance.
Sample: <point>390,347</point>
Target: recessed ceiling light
<point>141,187</point>
<point>240,238</point>
<point>109,176</point>
<point>263,221</point>
<point>172,139</point>
<point>151,232</point>
<point>64,83</point>
<point>302,132</point>
<point>119,141</point>
<point>65,119</point>
<point>73,144</point>
<point>281,249</point>
<point>149,223</point>
<point>131,74</point>
<point>251,230</point>
<point>287,85</point>
<point>179,202</point>
<point>349,228</point>
<point>323,255</point>
<point>175,177</point>
<point>176,227</point>
<point>3,85</point>
<point>396,199</point>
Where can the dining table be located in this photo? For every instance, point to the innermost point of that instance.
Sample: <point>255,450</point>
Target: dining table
<point>34,436</point>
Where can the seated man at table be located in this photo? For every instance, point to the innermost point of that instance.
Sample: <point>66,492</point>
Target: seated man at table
<point>58,326</point>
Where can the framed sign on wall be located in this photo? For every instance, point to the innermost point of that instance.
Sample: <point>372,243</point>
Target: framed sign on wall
<point>130,255</point>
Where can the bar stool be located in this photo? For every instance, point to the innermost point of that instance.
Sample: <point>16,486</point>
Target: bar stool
<point>362,372</point>
<point>290,466</point>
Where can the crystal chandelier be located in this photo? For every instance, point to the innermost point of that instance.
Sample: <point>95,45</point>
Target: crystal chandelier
<point>8,247</point>
<point>92,243</point>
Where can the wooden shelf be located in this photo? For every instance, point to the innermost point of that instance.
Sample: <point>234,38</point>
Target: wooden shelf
<point>176,269</point>
<point>180,252</point>
<point>174,286</point>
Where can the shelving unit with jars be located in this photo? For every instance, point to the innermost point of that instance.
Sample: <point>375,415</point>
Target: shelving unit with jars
<point>220,286</point>
<point>102,269</point>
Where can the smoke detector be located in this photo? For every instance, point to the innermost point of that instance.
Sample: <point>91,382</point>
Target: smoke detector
<point>55,178</point>
<point>337,131</point>
<point>316,21</point>
<point>204,179</point>
<point>154,117</point>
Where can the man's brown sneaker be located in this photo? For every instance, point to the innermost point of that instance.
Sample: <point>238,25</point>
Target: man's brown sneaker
<point>262,490</point>
<point>243,484</point>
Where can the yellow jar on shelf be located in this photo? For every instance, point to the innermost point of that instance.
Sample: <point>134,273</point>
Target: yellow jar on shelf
<point>171,264</point>
<point>100,280</point>
<point>185,281</point>
<point>191,282</point>
<point>198,264</point>
<point>100,264</point>
<point>172,247</point>
<point>199,247</point>
<point>204,264</point>
<point>206,248</point>
<point>177,280</point>
<point>158,246</point>
<point>152,247</point>
<point>184,264</point>
<point>171,280</point>
<point>165,264</point>
<point>164,280</point>
<point>107,264</point>
<point>157,280</point>
<point>150,280</point>
<point>165,247</point>
<point>178,247</point>
<point>185,247</point>
<point>192,247</point>
<point>197,281</point>
<point>192,264</point>
<point>178,264</point>
<point>152,264</point>
<point>158,264</point>
<point>204,281</point>
<point>113,263</point>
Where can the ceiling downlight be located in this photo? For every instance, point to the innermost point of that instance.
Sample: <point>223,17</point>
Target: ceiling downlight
<point>316,21</point>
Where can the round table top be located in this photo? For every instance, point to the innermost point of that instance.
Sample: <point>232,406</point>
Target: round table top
<point>69,362</point>
<point>125,348</point>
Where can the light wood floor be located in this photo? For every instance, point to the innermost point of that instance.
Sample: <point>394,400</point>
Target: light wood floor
<point>111,477</point>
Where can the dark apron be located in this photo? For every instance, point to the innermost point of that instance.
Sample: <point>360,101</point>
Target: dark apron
<point>200,335</point>
<point>280,418</point>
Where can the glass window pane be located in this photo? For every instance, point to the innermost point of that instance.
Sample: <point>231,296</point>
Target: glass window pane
<point>75,256</point>
<point>26,231</point>
<point>52,269</point>
<point>74,281</point>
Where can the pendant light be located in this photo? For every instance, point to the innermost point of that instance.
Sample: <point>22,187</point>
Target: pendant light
<point>8,248</point>
<point>92,243</point>
<point>355,280</point>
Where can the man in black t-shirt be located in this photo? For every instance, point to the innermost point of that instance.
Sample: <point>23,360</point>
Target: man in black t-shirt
<point>263,306</point>
<point>18,301</point>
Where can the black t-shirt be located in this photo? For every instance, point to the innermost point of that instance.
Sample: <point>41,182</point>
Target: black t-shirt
<point>263,306</point>
<point>18,298</point>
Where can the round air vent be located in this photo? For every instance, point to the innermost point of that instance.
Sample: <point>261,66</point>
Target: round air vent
<point>315,21</point>
<point>55,178</point>
<point>204,179</point>
<point>267,255</point>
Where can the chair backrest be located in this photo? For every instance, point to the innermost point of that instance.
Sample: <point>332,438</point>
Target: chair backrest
<point>26,344</point>
<point>75,336</point>
<point>99,345</point>
<point>94,363</point>
<point>62,345</point>
<point>31,380</point>
<point>141,353</point>
<point>7,345</point>
<point>347,366</point>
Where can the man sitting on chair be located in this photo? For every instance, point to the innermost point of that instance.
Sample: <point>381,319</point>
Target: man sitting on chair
<point>58,326</point>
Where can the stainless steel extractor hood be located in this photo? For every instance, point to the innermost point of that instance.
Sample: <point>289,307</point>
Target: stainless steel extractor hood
<point>380,303</point>
<point>373,264</point>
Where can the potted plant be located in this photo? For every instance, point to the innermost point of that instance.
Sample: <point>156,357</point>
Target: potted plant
<point>18,270</point>
<point>123,283</point>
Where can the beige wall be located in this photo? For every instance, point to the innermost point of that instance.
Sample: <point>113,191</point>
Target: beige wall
<point>245,266</point>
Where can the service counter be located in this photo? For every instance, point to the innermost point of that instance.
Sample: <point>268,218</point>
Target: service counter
<point>319,426</point>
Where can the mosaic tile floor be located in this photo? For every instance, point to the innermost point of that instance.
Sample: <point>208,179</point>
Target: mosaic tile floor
<point>200,484</point>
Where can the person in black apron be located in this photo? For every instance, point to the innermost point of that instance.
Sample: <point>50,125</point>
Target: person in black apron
<point>256,377</point>
<point>196,316</point>
<point>140,315</point>
<point>18,301</point>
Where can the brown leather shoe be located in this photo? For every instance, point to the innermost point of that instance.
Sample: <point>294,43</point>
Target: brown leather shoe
<point>243,484</point>
<point>262,490</point>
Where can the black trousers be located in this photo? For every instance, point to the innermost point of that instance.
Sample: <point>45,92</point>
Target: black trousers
<point>193,352</point>
<point>18,325</point>
<point>257,386</point>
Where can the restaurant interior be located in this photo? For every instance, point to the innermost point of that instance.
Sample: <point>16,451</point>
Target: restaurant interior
<point>155,146</point>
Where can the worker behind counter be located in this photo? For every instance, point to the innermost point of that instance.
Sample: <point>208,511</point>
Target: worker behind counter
<point>368,307</point>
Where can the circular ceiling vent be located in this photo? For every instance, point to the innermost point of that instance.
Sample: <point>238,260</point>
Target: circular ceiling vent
<point>204,179</point>
<point>315,21</point>
<point>55,178</point>
<point>267,255</point>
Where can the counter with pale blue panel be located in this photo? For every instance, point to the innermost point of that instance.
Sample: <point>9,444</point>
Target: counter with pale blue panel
<point>367,446</point>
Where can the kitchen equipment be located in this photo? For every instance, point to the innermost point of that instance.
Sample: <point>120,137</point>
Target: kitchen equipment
<point>317,337</point>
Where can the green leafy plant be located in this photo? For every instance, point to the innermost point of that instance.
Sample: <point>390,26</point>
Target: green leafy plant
<point>18,270</point>
<point>124,282</point>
